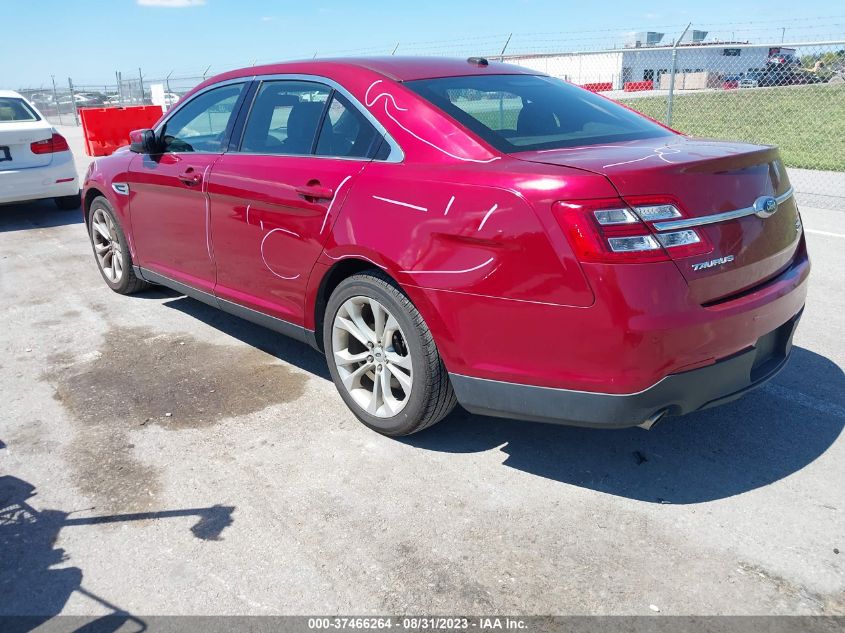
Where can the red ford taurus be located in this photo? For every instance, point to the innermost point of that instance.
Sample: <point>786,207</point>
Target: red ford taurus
<point>458,231</point>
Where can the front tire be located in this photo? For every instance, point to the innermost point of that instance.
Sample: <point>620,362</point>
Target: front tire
<point>382,357</point>
<point>111,250</point>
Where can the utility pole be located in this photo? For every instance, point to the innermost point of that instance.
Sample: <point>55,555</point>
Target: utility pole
<point>672,76</point>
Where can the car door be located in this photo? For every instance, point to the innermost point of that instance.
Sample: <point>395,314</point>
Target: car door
<point>273,199</point>
<point>168,205</point>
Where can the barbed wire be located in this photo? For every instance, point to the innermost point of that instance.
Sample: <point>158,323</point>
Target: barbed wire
<point>775,29</point>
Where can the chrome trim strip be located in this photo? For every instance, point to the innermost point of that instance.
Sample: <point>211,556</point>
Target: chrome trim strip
<point>172,111</point>
<point>718,217</point>
<point>786,195</point>
<point>396,154</point>
<point>121,187</point>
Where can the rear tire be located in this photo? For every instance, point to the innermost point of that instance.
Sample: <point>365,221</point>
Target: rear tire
<point>388,371</point>
<point>68,203</point>
<point>111,250</point>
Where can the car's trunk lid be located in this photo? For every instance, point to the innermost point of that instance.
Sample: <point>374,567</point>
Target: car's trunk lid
<point>706,178</point>
<point>16,137</point>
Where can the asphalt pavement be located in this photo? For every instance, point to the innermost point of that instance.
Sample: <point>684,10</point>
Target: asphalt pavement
<point>161,457</point>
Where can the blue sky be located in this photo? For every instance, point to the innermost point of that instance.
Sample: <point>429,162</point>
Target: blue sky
<point>90,39</point>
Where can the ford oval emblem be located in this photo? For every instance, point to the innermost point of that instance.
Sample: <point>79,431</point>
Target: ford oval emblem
<point>765,206</point>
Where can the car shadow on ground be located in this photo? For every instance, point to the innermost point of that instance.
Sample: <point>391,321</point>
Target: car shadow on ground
<point>282,347</point>
<point>33,589</point>
<point>769,434</point>
<point>36,215</point>
<point>765,436</point>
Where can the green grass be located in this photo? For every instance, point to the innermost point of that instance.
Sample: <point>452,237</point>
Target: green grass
<point>807,123</point>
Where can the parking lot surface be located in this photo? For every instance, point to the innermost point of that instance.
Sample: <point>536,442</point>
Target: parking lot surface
<point>161,457</point>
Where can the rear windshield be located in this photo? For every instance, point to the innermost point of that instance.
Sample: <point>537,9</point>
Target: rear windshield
<point>14,109</point>
<point>515,113</point>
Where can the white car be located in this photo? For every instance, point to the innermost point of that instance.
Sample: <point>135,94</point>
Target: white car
<point>35,160</point>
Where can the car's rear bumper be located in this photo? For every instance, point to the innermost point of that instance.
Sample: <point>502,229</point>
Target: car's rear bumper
<point>725,380</point>
<point>36,183</point>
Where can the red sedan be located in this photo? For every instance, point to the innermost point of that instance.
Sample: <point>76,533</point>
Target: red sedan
<point>458,231</point>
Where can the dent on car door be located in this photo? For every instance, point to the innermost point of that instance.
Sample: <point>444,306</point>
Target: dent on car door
<point>169,210</point>
<point>274,199</point>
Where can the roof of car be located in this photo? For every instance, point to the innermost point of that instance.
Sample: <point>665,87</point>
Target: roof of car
<point>398,68</point>
<point>10,93</point>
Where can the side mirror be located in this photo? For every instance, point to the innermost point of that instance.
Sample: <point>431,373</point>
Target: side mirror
<point>142,142</point>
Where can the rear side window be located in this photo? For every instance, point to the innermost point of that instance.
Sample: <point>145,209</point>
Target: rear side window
<point>14,109</point>
<point>346,132</point>
<point>301,118</point>
<point>285,117</point>
<point>516,113</point>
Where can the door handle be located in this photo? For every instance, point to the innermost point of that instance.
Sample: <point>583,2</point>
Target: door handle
<point>190,177</point>
<point>315,191</point>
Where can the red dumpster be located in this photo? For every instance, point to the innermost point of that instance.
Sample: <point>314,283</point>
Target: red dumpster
<point>106,129</point>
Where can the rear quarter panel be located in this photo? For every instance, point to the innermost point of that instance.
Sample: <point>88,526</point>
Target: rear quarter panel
<point>478,230</point>
<point>475,233</point>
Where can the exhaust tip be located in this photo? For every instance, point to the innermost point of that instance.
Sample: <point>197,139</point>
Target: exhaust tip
<point>651,421</point>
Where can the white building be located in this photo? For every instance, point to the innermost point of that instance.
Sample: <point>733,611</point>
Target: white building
<point>648,63</point>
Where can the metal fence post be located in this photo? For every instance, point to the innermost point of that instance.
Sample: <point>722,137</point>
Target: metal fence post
<point>141,85</point>
<point>504,48</point>
<point>73,101</point>
<point>56,100</point>
<point>501,96</point>
<point>672,76</point>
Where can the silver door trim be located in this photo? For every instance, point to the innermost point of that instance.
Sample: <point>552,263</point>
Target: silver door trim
<point>396,155</point>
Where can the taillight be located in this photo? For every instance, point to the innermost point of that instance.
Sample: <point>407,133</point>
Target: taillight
<point>679,244</point>
<point>617,231</point>
<point>56,143</point>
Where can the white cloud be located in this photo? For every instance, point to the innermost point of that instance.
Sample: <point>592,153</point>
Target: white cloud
<point>171,4</point>
<point>267,18</point>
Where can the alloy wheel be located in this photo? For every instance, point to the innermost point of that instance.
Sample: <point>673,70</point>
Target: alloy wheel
<point>372,357</point>
<point>107,246</point>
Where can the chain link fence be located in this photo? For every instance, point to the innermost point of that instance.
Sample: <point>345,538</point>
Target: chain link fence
<point>60,102</point>
<point>787,94</point>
